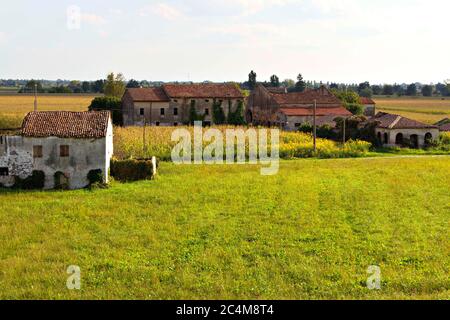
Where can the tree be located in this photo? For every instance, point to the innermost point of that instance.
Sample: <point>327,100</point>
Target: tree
<point>274,81</point>
<point>300,86</point>
<point>114,85</point>
<point>29,87</point>
<point>362,86</point>
<point>218,113</point>
<point>427,91</point>
<point>86,86</point>
<point>237,118</point>
<point>366,92</point>
<point>112,104</point>
<point>376,90</point>
<point>388,90</point>
<point>133,84</point>
<point>288,83</point>
<point>193,115</point>
<point>98,86</point>
<point>252,80</point>
<point>411,90</point>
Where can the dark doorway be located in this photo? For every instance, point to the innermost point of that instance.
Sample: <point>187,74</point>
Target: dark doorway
<point>414,141</point>
<point>386,138</point>
<point>399,139</point>
<point>428,139</point>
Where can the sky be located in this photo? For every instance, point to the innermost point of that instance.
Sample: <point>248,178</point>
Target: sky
<point>382,41</point>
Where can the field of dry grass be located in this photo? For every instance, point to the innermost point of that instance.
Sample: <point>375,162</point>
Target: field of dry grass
<point>14,107</point>
<point>429,110</point>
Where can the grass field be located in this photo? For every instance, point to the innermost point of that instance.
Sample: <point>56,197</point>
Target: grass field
<point>428,110</point>
<point>309,232</point>
<point>14,107</point>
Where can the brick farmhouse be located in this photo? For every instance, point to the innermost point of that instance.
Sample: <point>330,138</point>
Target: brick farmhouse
<point>169,104</point>
<point>276,107</point>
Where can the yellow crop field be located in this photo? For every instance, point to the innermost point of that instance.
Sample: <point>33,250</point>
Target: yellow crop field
<point>428,110</point>
<point>14,107</point>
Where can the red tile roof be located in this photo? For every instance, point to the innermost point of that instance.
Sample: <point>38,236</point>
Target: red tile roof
<point>365,101</point>
<point>148,94</point>
<point>204,90</point>
<point>308,111</point>
<point>65,124</point>
<point>323,97</point>
<point>445,127</point>
<point>394,121</point>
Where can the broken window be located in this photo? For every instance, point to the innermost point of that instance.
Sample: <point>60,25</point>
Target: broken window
<point>162,111</point>
<point>141,111</point>
<point>4,171</point>
<point>175,111</point>
<point>63,151</point>
<point>37,151</point>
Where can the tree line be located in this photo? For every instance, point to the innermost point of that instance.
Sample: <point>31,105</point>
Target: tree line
<point>364,89</point>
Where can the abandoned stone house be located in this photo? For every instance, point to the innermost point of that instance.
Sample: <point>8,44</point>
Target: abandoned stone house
<point>276,107</point>
<point>395,130</point>
<point>169,104</point>
<point>65,146</point>
<point>369,106</point>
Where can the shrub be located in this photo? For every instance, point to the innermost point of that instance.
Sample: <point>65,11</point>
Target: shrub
<point>305,127</point>
<point>109,104</point>
<point>131,170</point>
<point>33,182</point>
<point>95,176</point>
<point>354,108</point>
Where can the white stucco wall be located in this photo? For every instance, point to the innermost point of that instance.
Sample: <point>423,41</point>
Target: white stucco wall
<point>84,155</point>
<point>392,134</point>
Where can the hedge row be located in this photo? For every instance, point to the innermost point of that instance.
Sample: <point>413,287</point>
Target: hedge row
<point>131,170</point>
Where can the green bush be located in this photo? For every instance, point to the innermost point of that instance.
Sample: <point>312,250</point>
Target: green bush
<point>34,182</point>
<point>131,170</point>
<point>354,108</point>
<point>109,104</point>
<point>95,176</point>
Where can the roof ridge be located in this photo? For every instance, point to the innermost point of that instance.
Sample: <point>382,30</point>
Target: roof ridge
<point>395,122</point>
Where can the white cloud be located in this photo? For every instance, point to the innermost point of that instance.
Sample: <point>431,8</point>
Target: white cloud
<point>163,10</point>
<point>2,37</point>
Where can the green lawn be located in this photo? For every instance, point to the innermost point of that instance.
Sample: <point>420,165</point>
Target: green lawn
<point>309,232</point>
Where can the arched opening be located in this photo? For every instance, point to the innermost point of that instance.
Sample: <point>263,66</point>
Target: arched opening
<point>61,181</point>
<point>399,139</point>
<point>414,138</point>
<point>428,138</point>
<point>386,138</point>
<point>379,137</point>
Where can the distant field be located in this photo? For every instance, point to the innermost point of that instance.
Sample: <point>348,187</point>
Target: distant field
<point>429,110</point>
<point>226,232</point>
<point>14,107</point>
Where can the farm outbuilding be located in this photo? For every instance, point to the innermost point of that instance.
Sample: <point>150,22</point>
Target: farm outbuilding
<point>63,147</point>
<point>396,130</point>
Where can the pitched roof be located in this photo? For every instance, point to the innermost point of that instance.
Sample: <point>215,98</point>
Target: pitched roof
<point>65,124</point>
<point>204,90</point>
<point>394,121</point>
<point>322,95</point>
<point>443,121</point>
<point>276,89</point>
<point>364,100</point>
<point>148,94</point>
<point>308,111</point>
<point>445,127</point>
